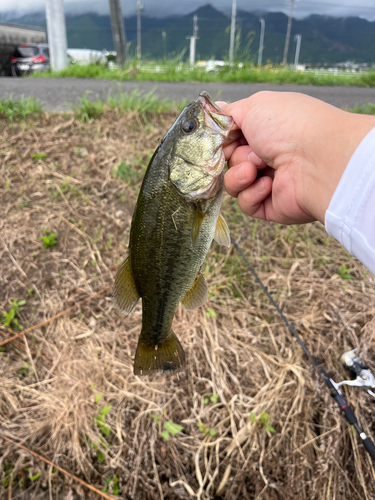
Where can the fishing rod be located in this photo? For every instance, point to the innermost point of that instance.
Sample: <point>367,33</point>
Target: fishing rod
<point>360,373</point>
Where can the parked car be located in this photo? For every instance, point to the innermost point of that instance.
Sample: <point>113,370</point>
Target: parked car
<point>30,57</point>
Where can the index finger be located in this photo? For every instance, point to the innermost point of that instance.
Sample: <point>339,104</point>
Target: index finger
<point>238,110</point>
<point>240,140</point>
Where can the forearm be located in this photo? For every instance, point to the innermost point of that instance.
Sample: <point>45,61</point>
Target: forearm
<point>336,140</point>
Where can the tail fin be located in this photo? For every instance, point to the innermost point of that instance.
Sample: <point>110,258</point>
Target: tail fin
<point>162,357</point>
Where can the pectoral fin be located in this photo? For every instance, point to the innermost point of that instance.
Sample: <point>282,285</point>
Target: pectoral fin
<point>222,234</point>
<point>124,291</point>
<point>197,295</point>
<point>162,357</point>
<point>197,224</point>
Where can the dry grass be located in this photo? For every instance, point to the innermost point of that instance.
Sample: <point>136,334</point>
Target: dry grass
<point>55,380</point>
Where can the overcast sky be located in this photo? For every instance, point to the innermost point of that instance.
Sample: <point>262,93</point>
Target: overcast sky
<point>162,8</point>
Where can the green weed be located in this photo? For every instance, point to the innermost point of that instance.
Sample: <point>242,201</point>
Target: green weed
<point>26,369</point>
<point>39,156</point>
<point>100,421</point>
<point>206,430</point>
<point>144,104</point>
<point>49,239</point>
<point>99,454</point>
<point>127,173</point>
<point>35,477</point>
<point>210,313</point>
<point>19,110</point>
<point>210,398</point>
<point>171,428</point>
<point>9,317</point>
<point>262,419</point>
<point>365,109</point>
<point>87,110</point>
<point>344,272</point>
<point>175,71</point>
<point>111,485</point>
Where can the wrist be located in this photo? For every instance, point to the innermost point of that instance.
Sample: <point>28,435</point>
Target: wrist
<point>340,135</point>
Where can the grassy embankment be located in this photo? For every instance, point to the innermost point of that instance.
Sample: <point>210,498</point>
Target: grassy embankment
<point>172,72</point>
<point>247,417</point>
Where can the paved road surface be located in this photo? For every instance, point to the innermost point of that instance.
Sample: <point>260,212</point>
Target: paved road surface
<point>61,94</point>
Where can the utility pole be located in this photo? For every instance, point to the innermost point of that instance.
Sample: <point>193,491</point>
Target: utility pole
<point>297,38</point>
<point>193,39</point>
<point>118,31</point>
<point>288,32</point>
<point>232,30</point>
<point>260,53</point>
<point>56,29</point>
<point>139,10</point>
<point>164,35</point>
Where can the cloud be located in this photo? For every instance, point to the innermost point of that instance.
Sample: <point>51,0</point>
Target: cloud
<point>164,8</point>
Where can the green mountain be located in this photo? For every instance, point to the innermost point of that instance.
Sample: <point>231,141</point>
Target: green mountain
<point>324,39</point>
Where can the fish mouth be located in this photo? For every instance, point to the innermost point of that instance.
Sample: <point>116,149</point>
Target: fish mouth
<point>217,120</point>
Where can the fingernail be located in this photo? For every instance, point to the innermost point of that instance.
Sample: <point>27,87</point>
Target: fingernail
<point>259,185</point>
<point>239,172</point>
<point>254,159</point>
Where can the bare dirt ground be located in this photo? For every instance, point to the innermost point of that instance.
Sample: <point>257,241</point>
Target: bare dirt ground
<point>67,389</point>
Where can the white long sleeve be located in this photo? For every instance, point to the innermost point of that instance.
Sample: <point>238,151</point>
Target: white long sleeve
<point>350,217</point>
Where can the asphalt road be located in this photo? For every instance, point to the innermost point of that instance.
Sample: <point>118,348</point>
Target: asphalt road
<point>58,94</point>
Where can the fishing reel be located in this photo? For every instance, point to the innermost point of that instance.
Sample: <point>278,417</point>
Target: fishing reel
<point>361,374</point>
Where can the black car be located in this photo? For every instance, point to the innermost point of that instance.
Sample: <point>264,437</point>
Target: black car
<point>29,57</point>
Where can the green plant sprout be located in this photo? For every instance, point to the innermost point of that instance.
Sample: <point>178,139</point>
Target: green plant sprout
<point>210,398</point>
<point>206,430</point>
<point>263,419</point>
<point>101,421</point>
<point>210,313</point>
<point>344,272</point>
<point>13,110</point>
<point>25,370</point>
<point>9,318</point>
<point>111,485</point>
<point>35,477</point>
<point>99,454</point>
<point>156,417</point>
<point>50,239</point>
<point>171,428</point>
<point>39,156</point>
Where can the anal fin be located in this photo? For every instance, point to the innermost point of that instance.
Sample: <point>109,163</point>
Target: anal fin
<point>197,294</point>
<point>167,356</point>
<point>124,291</point>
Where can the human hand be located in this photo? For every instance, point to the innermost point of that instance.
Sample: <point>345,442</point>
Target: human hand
<point>292,155</point>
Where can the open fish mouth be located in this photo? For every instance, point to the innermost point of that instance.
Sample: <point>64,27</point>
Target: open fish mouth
<point>215,118</point>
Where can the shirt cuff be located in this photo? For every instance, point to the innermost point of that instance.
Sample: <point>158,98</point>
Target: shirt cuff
<point>350,217</point>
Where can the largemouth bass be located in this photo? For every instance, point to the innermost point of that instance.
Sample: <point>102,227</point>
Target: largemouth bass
<point>175,220</point>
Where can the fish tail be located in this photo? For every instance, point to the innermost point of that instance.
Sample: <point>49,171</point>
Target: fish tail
<point>165,356</point>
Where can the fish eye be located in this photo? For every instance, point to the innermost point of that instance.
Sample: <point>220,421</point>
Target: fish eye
<point>189,125</point>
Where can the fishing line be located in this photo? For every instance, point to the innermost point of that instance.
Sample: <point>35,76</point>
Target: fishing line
<point>332,386</point>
